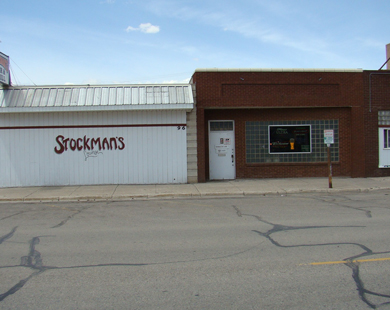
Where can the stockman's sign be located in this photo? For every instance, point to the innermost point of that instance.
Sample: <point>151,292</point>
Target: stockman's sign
<point>4,69</point>
<point>92,147</point>
<point>85,144</point>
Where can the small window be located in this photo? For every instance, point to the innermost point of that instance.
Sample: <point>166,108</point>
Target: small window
<point>221,125</point>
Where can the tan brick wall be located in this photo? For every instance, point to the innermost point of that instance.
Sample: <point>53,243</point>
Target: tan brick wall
<point>192,154</point>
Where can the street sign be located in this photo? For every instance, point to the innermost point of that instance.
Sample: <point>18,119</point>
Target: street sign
<point>328,136</point>
<point>328,140</point>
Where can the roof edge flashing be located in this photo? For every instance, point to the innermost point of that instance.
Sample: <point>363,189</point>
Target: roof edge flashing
<point>144,107</point>
<point>277,70</point>
<point>67,86</point>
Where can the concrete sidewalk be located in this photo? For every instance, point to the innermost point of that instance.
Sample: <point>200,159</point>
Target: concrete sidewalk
<point>237,188</point>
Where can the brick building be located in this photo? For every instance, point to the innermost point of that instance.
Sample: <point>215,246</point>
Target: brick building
<point>377,122</point>
<point>265,123</point>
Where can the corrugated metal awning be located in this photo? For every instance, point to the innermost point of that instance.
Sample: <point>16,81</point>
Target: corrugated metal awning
<point>96,98</point>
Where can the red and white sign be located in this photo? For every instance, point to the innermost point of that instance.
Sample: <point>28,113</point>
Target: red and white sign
<point>4,69</point>
<point>328,136</point>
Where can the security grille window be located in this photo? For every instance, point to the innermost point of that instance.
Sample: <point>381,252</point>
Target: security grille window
<point>221,126</point>
<point>258,149</point>
<point>383,118</point>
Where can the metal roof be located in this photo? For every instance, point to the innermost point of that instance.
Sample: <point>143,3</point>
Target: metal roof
<point>96,98</point>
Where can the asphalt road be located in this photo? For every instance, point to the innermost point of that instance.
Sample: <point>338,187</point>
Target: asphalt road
<point>307,251</point>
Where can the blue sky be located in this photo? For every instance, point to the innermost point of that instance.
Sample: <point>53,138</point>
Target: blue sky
<point>160,41</point>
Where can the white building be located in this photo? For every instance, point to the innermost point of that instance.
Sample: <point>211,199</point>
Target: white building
<point>110,134</point>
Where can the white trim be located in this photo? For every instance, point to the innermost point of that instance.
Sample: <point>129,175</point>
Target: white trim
<point>383,153</point>
<point>276,70</point>
<point>154,107</point>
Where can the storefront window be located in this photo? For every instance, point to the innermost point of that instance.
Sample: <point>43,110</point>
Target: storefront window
<point>289,139</point>
<point>308,141</point>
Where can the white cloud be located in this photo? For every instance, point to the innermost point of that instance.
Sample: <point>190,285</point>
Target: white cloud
<point>260,28</point>
<point>145,28</point>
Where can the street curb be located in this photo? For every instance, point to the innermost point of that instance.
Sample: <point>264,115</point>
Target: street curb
<point>191,195</point>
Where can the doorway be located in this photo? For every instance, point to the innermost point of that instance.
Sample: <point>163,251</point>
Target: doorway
<point>222,160</point>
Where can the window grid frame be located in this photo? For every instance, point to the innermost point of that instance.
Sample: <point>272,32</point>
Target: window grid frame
<point>257,139</point>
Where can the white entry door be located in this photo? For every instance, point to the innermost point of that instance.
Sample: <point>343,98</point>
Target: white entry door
<point>221,150</point>
<point>384,147</point>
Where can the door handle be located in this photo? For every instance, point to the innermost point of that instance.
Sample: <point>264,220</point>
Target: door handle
<point>232,159</point>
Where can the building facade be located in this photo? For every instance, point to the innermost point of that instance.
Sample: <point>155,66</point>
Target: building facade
<point>85,135</point>
<point>225,124</point>
<point>255,123</point>
<point>377,123</point>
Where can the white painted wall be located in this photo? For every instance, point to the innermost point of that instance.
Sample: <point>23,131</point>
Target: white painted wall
<point>152,154</point>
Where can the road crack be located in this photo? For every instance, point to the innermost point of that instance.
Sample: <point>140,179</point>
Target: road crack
<point>350,261</point>
<point>71,217</point>
<point>9,235</point>
<point>33,260</point>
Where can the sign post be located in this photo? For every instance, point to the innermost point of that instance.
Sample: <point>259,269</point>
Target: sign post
<point>328,140</point>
